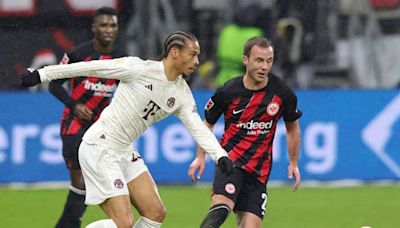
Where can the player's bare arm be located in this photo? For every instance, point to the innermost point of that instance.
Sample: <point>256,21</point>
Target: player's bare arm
<point>57,89</point>
<point>206,139</point>
<point>198,165</point>
<point>80,110</point>
<point>293,143</point>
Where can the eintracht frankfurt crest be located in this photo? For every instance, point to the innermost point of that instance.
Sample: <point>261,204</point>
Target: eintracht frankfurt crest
<point>272,108</point>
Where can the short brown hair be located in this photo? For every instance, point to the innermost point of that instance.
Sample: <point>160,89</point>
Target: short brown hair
<point>257,40</point>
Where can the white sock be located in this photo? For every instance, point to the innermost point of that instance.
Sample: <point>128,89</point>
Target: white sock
<point>77,190</point>
<point>143,222</point>
<point>103,223</point>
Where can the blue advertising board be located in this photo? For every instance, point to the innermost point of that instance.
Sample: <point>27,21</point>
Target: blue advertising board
<point>346,134</point>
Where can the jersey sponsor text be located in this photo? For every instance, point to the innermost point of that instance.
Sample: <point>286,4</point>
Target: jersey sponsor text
<point>100,89</point>
<point>256,128</point>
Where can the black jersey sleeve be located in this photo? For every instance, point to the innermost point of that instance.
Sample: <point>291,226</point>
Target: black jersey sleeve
<point>214,107</point>
<point>291,112</point>
<point>56,87</point>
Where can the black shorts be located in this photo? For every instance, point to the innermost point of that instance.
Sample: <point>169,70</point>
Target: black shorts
<point>70,150</point>
<point>243,188</point>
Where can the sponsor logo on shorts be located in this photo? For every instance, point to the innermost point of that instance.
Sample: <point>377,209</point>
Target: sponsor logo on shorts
<point>171,101</point>
<point>272,108</point>
<point>230,188</point>
<point>118,183</point>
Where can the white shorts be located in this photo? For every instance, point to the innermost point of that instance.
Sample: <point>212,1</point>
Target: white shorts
<point>107,171</point>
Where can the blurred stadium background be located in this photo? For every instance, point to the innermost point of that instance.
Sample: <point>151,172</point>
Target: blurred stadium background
<point>341,56</point>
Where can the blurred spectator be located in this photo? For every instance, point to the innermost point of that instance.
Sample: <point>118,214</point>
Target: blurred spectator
<point>231,40</point>
<point>289,34</point>
<point>295,40</point>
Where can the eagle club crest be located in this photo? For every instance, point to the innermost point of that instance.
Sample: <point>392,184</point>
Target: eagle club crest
<point>171,102</point>
<point>230,188</point>
<point>272,108</point>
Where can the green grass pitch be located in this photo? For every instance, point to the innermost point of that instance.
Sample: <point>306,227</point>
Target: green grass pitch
<point>346,207</point>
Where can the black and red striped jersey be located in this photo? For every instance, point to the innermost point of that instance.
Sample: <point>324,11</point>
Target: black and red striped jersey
<point>92,91</point>
<point>250,118</point>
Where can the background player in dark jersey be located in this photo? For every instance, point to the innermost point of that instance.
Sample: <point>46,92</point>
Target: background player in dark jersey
<point>252,105</point>
<point>87,99</point>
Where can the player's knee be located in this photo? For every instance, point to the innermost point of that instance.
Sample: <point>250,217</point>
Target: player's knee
<point>78,185</point>
<point>77,181</point>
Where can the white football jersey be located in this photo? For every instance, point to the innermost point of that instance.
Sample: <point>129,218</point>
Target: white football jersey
<point>143,97</point>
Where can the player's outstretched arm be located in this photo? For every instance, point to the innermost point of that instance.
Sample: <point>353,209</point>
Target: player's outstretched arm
<point>122,69</point>
<point>206,139</point>
<point>57,89</point>
<point>198,165</point>
<point>293,143</point>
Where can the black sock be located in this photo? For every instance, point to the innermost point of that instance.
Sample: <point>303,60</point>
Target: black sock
<point>73,210</point>
<point>216,216</point>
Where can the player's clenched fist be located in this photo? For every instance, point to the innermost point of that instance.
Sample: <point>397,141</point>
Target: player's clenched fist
<point>30,78</point>
<point>226,165</point>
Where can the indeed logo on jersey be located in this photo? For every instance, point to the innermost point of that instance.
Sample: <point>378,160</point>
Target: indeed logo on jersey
<point>100,89</point>
<point>256,128</point>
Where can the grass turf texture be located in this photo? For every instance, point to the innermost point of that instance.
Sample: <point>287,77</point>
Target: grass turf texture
<point>353,207</point>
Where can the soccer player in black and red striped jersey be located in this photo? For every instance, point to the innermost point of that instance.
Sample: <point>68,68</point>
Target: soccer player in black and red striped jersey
<point>251,105</point>
<point>87,99</point>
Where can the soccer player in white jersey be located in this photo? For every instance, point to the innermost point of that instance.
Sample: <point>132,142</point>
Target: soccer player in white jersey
<point>114,173</point>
